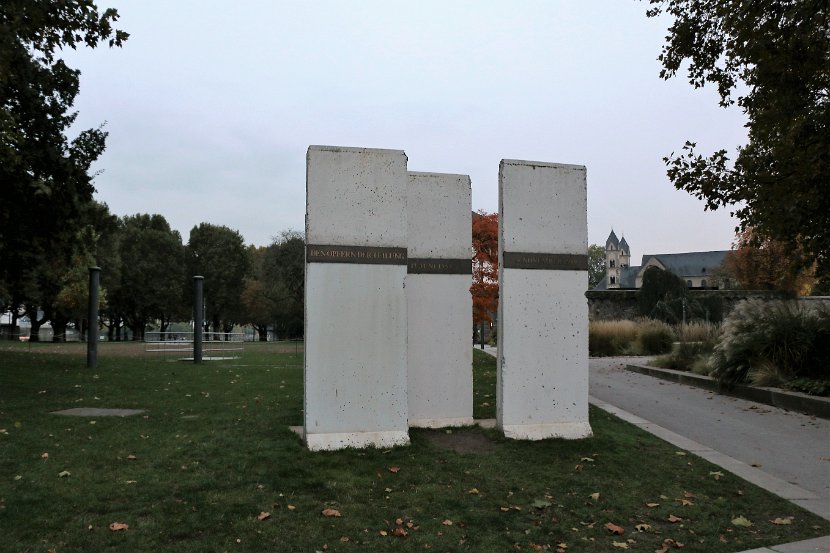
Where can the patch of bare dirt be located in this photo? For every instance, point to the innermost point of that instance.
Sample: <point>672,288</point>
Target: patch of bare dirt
<point>462,441</point>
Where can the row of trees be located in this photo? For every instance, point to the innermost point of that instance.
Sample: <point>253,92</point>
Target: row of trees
<point>147,278</point>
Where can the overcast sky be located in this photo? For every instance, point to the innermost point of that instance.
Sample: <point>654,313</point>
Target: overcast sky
<point>210,107</point>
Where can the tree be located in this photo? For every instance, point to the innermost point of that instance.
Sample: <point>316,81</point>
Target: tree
<point>285,270</point>
<point>661,295</point>
<point>45,176</point>
<point>773,60</point>
<point>485,287</point>
<point>766,266</point>
<point>218,253</point>
<point>596,265</point>
<point>152,258</point>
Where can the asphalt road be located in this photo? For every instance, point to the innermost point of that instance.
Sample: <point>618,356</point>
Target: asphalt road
<point>790,446</point>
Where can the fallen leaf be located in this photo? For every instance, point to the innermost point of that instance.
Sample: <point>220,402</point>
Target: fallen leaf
<point>64,474</point>
<point>595,496</point>
<point>652,505</point>
<point>398,521</point>
<point>673,519</point>
<point>620,544</point>
<point>118,526</point>
<point>291,507</point>
<point>643,527</point>
<point>541,503</point>
<point>383,533</point>
<point>504,509</point>
<point>446,522</point>
<point>399,532</point>
<point>263,515</point>
<point>717,474</point>
<point>330,513</point>
<point>131,481</point>
<point>473,491</point>
<point>44,456</point>
<point>614,528</point>
<point>131,457</point>
<point>689,495</point>
<point>742,521</point>
<point>394,470</point>
<point>578,468</point>
<point>780,521</point>
<point>685,502</point>
<point>387,490</point>
<point>681,453</point>
<point>587,460</point>
<point>344,539</point>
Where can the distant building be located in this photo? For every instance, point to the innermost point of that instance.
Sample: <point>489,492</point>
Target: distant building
<point>698,269</point>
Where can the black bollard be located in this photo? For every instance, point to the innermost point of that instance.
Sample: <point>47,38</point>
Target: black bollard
<point>92,318</point>
<point>198,318</point>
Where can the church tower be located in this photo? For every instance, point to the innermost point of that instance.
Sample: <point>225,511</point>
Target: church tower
<point>617,257</point>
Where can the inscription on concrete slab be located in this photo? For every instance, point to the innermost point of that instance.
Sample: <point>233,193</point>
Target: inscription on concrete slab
<point>434,266</point>
<point>365,255</point>
<point>545,261</point>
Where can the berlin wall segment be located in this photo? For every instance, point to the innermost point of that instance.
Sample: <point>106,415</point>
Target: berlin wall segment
<point>542,375</point>
<point>439,304</point>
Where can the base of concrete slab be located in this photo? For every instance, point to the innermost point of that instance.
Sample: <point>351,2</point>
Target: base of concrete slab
<point>98,412</point>
<point>342,440</point>
<point>566,430</point>
<point>441,423</point>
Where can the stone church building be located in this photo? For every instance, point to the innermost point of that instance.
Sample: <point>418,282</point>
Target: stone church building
<point>697,269</point>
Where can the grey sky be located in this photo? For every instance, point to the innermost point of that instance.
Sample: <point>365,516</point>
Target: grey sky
<point>212,105</point>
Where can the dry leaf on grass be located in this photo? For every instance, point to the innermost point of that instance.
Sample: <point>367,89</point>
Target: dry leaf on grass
<point>595,496</point>
<point>44,456</point>
<point>131,457</point>
<point>673,518</point>
<point>643,527</point>
<point>783,520</point>
<point>614,529</point>
<point>64,474</point>
<point>620,544</point>
<point>447,522</point>
<point>330,513</point>
<point>400,532</point>
<point>290,507</point>
<point>652,505</point>
<point>118,526</point>
<point>394,470</point>
<point>263,515</point>
<point>742,521</point>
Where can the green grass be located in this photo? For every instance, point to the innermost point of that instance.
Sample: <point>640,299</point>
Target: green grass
<point>214,450</point>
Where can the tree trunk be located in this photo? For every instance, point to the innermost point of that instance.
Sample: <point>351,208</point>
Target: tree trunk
<point>34,332</point>
<point>59,328</point>
<point>263,332</point>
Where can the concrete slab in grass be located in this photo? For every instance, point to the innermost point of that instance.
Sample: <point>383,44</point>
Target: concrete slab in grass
<point>98,412</point>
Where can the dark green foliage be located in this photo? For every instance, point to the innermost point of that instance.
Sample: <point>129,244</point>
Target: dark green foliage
<point>45,176</point>
<point>775,57</point>
<point>218,254</point>
<point>596,265</point>
<point>602,345</point>
<point>660,295</point>
<point>793,339</point>
<point>813,387</point>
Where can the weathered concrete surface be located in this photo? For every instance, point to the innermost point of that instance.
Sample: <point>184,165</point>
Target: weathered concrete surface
<point>542,376</point>
<point>439,306</point>
<point>355,328</point>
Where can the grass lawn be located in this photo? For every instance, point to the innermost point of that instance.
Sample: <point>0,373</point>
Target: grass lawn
<point>213,454</point>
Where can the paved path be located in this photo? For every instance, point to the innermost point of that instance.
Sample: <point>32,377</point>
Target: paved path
<point>787,445</point>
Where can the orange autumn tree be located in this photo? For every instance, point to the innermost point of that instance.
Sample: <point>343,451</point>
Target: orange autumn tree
<point>485,288</point>
<point>764,264</point>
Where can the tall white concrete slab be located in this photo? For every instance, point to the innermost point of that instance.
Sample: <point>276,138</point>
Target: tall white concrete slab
<point>542,376</point>
<point>439,305</point>
<point>355,307</point>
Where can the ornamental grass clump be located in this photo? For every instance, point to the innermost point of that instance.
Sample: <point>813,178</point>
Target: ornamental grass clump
<point>607,338</point>
<point>778,340</point>
<point>654,337</point>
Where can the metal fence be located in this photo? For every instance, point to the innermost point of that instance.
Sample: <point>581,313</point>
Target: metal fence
<point>215,345</point>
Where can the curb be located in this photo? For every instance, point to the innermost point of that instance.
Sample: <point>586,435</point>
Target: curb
<point>791,401</point>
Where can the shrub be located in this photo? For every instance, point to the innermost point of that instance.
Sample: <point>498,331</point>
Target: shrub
<point>655,337</point>
<point>795,340</point>
<point>607,338</point>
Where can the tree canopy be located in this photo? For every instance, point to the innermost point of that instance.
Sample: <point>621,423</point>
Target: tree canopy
<point>485,287</point>
<point>596,265</point>
<point>44,176</point>
<point>773,60</point>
